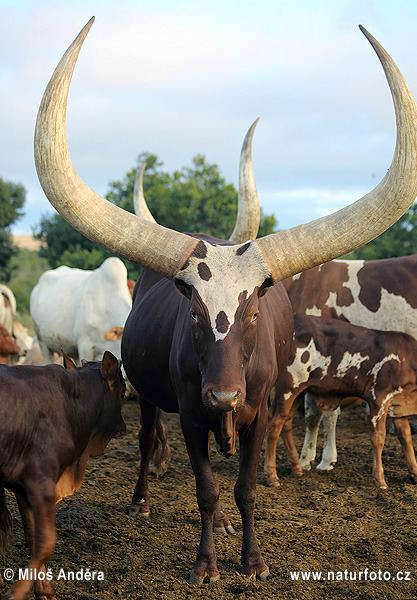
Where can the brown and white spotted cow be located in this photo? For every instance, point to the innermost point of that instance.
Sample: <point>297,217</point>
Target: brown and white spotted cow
<point>378,294</point>
<point>210,326</point>
<point>337,360</point>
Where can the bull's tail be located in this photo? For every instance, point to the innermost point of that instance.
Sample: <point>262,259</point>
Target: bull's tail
<point>162,451</point>
<point>5,521</point>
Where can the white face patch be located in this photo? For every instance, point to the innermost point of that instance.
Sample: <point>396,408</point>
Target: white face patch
<point>350,361</point>
<point>300,371</point>
<point>220,274</point>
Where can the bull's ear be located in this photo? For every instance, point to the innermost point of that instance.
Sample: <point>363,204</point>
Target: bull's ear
<point>109,368</point>
<point>68,362</point>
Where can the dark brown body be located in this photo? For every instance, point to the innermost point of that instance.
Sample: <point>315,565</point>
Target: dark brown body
<point>160,359</point>
<point>335,361</point>
<point>52,420</point>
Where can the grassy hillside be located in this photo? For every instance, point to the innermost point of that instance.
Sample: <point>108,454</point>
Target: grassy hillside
<point>28,267</point>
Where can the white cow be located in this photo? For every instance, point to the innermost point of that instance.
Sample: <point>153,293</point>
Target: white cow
<point>7,308</point>
<point>81,312</point>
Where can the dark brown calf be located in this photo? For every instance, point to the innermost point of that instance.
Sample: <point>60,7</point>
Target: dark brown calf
<point>52,419</point>
<point>336,360</point>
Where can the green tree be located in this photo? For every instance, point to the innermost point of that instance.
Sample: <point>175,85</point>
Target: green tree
<point>398,240</point>
<point>12,200</point>
<point>193,199</point>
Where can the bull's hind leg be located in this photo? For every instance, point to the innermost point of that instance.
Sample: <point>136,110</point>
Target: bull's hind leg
<point>147,440</point>
<point>207,491</point>
<point>278,423</point>
<point>402,426</point>
<point>41,499</point>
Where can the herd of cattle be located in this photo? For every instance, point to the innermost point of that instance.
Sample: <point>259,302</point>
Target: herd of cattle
<point>229,334</point>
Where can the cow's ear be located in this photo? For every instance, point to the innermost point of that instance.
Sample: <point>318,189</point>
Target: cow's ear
<point>109,368</point>
<point>68,362</point>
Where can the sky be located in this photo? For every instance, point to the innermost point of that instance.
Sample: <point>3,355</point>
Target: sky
<point>182,77</point>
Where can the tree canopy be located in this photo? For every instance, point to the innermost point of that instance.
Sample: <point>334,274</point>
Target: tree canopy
<point>398,240</point>
<point>193,199</point>
<point>12,200</point>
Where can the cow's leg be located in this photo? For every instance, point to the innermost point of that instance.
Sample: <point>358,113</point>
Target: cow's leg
<point>329,455</point>
<point>41,499</point>
<point>378,434</point>
<point>291,448</point>
<point>147,439</point>
<point>47,354</point>
<point>313,416</point>
<point>250,440</point>
<point>5,521</point>
<point>403,428</point>
<point>26,515</point>
<point>207,491</point>
<point>277,423</point>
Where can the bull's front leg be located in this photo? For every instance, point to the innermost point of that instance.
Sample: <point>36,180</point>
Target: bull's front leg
<point>250,440</point>
<point>207,492</point>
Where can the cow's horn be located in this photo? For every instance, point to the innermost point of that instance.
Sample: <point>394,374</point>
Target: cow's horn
<point>156,247</point>
<point>248,212</point>
<point>139,203</point>
<point>288,252</point>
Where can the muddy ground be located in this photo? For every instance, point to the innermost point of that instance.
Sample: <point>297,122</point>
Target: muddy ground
<point>332,521</point>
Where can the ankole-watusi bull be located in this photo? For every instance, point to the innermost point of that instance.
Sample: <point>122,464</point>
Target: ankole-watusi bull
<point>202,338</point>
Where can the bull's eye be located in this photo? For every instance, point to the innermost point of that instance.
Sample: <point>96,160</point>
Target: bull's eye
<point>254,317</point>
<point>194,316</point>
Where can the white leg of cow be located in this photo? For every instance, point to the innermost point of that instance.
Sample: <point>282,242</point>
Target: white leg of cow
<point>329,456</point>
<point>46,353</point>
<point>86,351</point>
<point>313,418</point>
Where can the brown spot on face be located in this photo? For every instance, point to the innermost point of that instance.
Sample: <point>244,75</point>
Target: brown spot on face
<point>242,249</point>
<point>204,271</point>
<point>200,251</point>
<point>305,356</point>
<point>222,322</point>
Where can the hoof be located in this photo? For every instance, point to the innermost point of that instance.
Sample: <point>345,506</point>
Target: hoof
<point>139,509</point>
<point>265,574</point>
<point>306,466</point>
<point>224,530</point>
<point>200,579</point>
<point>325,466</point>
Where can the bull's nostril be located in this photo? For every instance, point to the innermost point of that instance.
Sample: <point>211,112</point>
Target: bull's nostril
<point>225,396</point>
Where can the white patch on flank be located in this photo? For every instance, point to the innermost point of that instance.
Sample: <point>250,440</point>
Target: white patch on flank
<point>314,311</point>
<point>394,312</point>
<point>386,400</point>
<point>231,274</point>
<point>350,361</point>
<point>300,371</point>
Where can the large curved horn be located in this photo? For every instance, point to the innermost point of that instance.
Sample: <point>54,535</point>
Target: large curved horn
<point>288,252</point>
<point>248,212</point>
<point>156,247</point>
<point>139,203</point>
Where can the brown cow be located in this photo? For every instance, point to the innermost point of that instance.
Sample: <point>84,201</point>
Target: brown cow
<point>52,419</point>
<point>9,350</point>
<point>214,350</point>
<point>336,360</point>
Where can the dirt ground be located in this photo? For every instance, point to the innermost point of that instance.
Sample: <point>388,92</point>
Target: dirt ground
<point>332,521</point>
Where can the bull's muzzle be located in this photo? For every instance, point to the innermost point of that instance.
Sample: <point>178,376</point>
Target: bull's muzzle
<point>223,401</point>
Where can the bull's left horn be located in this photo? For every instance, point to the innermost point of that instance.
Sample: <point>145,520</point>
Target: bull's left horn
<point>155,247</point>
<point>288,252</point>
